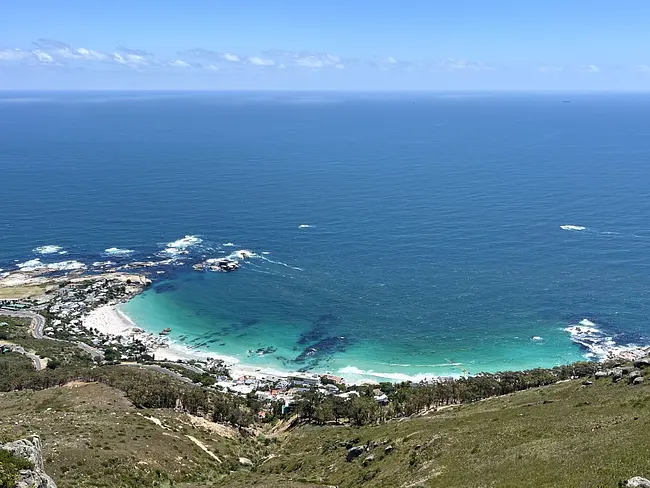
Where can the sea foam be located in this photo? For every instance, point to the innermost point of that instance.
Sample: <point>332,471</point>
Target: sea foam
<point>304,226</point>
<point>49,249</point>
<point>354,374</point>
<point>38,265</point>
<point>601,346</point>
<point>116,251</point>
<point>181,246</point>
<point>572,227</point>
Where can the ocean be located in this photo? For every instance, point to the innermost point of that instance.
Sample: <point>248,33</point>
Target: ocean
<point>394,236</point>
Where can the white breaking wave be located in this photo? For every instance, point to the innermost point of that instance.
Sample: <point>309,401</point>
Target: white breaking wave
<point>49,249</point>
<point>116,251</point>
<point>228,244</point>
<point>355,375</point>
<point>601,346</point>
<point>536,338</point>
<point>98,264</point>
<point>280,263</point>
<point>304,226</point>
<point>181,246</point>
<point>572,227</point>
<point>37,265</point>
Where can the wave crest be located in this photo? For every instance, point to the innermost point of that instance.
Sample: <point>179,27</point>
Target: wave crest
<point>48,249</point>
<point>116,251</point>
<point>573,227</point>
<point>601,346</point>
<point>38,265</point>
<point>181,246</point>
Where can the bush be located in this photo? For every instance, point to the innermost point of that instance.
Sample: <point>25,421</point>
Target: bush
<point>10,467</point>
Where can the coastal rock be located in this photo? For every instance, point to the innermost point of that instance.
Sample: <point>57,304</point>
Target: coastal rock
<point>638,380</point>
<point>618,371</point>
<point>31,450</point>
<point>388,449</point>
<point>642,363</point>
<point>587,383</point>
<point>601,374</point>
<point>637,482</point>
<point>245,462</point>
<point>368,459</point>
<point>634,374</point>
<point>354,453</point>
<point>627,369</point>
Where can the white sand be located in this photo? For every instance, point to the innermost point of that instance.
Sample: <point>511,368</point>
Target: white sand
<point>109,320</point>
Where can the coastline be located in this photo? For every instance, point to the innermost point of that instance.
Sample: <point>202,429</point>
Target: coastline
<point>111,321</point>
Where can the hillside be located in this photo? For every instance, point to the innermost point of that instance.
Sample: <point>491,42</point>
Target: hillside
<point>562,435</point>
<point>114,425</point>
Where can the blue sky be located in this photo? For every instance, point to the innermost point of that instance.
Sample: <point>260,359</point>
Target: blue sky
<point>279,44</point>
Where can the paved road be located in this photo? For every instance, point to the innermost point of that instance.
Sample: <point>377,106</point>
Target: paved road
<point>38,363</point>
<point>38,324</point>
<point>36,329</point>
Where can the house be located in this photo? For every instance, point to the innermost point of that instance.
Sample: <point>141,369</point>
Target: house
<point>348,395</point>
<point>382,399</point>
<point>304,382</point>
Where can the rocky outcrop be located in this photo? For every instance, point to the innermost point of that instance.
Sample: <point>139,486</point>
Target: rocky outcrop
<point>31,450</point>
<point>637,482</point>
<point>245,462</point>
<point>354,453</point>
<point>642,363</point>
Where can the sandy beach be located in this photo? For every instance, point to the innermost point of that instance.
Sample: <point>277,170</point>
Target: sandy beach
<point>110,321</point>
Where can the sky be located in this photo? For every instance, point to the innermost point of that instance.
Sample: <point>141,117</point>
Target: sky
<point>328,45</point>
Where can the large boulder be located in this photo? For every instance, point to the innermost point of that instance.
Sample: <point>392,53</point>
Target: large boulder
<point>638,380</point>
<point>354,453</point>
<point>637,482</point>
<point>601,374</point>
<point>370,458</point>
<point>634,374</point>
<point>31,450</point>
<point>642,362</point>
<point>245,462</point>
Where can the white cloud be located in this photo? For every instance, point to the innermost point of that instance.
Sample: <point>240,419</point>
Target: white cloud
<point>179,63</point>
<point>642,68</point>
<point>211,67</point>
<point>118,58</point>
<point>135,59</point>
<point>591,68</point>
<point>90,54</point>
<point>391,60</point>
<point>305,59</point>
<point>233,58</point>
<point>14,54</point>
<point>43,57</point>
<point>256,60</point>
<point>464,64</point>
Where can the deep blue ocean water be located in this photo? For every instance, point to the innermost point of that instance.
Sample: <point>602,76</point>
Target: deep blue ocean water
<point>434,219</point>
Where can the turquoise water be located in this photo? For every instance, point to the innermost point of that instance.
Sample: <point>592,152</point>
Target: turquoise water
<point>434,241</point>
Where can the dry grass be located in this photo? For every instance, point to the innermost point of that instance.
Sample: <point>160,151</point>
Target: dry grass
<point>21,292</point>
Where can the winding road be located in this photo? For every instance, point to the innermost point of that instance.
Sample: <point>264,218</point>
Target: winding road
<point>38,324</point>
<point>38,362</point>
<point>36,330</point>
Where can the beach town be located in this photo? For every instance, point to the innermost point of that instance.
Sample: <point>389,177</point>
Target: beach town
<point>83,308</point>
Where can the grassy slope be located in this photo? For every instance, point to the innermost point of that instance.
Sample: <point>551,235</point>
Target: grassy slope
<point>562,435</point>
